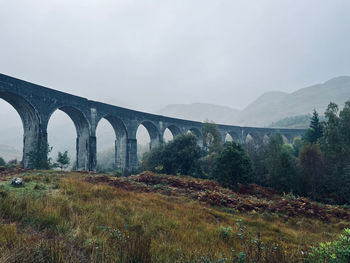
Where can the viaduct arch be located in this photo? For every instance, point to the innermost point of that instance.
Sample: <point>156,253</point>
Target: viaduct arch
<point>35,104</point>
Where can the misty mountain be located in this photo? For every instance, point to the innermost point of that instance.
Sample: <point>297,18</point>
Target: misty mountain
<point>266,110</point>
<point>200,112</point>
<point>271,106</point>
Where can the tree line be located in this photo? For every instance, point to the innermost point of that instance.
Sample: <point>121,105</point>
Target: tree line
<point>316,165</point>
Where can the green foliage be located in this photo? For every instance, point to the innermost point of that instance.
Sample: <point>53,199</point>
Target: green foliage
<point>316,165</point>
<point>2,162</point>
<point>226,232</point>
<point>344,118</point>
<point>298,144</point>
<point>337,251</point>
<point>180,155</point>
<point>39,159</point>
<point>257,151</point>
<point>331,143</point>
<point>62,160</point>
<point>310,159</point>
<point>281,165</point>
<point>207,164</point>
<point>212,146</point>
<point>233,165</point>
<point>211,138</point>
<point>336,150</point>
<point>315,131</point>
<point>253,248</point>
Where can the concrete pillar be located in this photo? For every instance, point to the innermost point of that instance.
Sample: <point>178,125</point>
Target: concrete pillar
<point>34,148</point>
<point>132,154</point>
<point>92,154</point>
<point>83,158</point>
<point>121,150</point>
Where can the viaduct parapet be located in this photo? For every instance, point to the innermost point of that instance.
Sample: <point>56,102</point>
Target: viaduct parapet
<point>35,105</point>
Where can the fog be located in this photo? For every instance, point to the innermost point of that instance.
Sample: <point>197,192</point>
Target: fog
<point>147,54</point>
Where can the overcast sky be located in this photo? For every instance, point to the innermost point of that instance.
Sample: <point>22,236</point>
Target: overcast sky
<point>146,54</point>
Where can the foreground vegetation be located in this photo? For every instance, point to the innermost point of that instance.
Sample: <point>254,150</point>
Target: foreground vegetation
<point>75,217</point>
<point>231,207</point>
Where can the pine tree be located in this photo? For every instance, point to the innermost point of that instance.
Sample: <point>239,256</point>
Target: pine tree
<point>331,143</point>
<point>344,116</point>
<point>233,165</point>
<point>315,131</point>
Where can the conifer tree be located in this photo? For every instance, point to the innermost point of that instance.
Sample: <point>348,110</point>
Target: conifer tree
<point>344,116</point>
<point>315,131</point>
<point>331,144</point>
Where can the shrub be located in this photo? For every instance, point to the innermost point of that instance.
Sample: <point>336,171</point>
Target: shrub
<point>337,251</point>
<point>180,155</point>
<point>233,165</point>
<point>226,232</point>
<point>281,165</point>
<point>38,159</point>
<point>63,160</point>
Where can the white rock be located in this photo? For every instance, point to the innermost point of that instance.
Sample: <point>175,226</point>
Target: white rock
<point>17,181</point>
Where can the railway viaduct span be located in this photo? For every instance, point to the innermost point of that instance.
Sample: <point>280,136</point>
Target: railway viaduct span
<point>35,104</point>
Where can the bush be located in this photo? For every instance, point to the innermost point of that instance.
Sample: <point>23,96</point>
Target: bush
<point>180,155</point>
<point>337,251</point>
<point>233,165</point>
<point>38,158</point>
<point>281,165</point>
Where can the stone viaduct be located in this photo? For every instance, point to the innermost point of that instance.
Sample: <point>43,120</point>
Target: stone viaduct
<point>35,105</point>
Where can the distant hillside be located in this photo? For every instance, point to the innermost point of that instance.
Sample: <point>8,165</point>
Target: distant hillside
<point>271,107</point>
<point>300,102</point>
<point>264,107</point>
<point>200,112</point>
<point>295,122</point>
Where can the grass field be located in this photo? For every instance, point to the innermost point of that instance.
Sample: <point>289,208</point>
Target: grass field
<point>73,217</point>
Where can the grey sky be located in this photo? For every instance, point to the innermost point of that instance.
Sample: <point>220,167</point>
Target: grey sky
<point>146,54</point>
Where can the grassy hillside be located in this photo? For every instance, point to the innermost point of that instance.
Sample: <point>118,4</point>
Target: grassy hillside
<point>77,217</point>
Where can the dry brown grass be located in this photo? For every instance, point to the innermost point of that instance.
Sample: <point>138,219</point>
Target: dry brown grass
<point>72,220</point>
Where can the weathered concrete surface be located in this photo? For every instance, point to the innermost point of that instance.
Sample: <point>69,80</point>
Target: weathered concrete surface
<point>35,105</point>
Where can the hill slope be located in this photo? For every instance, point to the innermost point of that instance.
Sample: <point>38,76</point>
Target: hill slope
<point>271,106</point>
<point>300,102</point>
<point>79,217</point>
